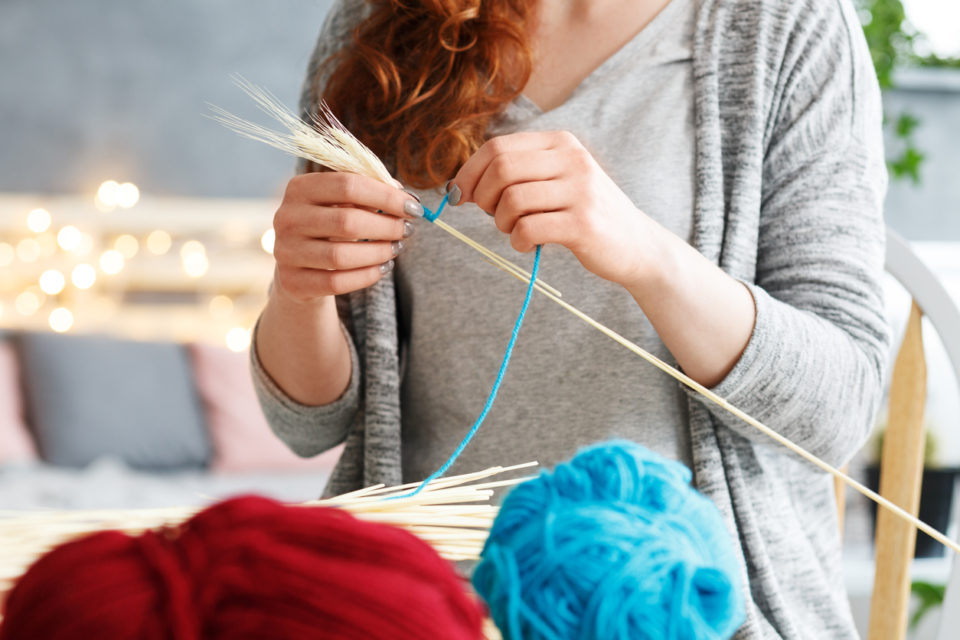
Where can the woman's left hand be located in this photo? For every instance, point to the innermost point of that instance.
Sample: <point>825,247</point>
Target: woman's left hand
<point>545,187</point>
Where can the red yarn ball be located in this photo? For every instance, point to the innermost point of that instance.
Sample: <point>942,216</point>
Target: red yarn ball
<point>245,568</point>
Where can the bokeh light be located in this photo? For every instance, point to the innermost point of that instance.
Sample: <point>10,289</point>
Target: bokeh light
<point>111,262</point>
<point>52,282</point>
<point>267,240</point>
<point>238,339</point>
<point>221,307</point>
<point>192,247</point>
<point>128,194</point>
<point>69,238</point>
<point>127,245</point>
<point>108,195</point>
<point>27,303</point>
<point>159,242</point>
<point>38,220</point>
<point>193,256</point>
<point>195,264</point>
<point>61,319</point>
<point>83,276</point>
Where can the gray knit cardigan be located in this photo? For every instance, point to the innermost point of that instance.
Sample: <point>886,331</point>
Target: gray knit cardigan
<point>790,182</point>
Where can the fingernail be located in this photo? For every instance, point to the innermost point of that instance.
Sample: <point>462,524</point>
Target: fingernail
<point>413,208</point>
<point>386,267</point>
<point>408,228</point>
<point>398,247</point>
<point>412,194</point>
<point>454,194</point>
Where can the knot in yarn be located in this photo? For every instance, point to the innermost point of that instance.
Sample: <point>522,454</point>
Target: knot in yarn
<point>246,568</point>
<point>612,545</point>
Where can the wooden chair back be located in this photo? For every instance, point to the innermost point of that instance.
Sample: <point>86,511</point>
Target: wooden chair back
<point>902,456</point>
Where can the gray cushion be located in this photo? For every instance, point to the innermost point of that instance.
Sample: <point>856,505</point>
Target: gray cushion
<point>92,396</point>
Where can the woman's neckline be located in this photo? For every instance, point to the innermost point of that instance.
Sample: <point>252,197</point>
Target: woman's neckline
<point>640,39</point>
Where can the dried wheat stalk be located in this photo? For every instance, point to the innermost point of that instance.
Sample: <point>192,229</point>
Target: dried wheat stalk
<point>452,514</point>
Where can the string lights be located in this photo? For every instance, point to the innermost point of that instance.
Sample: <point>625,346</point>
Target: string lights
<point>71,264</point>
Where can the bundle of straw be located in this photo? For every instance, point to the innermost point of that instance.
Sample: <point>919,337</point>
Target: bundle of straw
<point>452,514</point>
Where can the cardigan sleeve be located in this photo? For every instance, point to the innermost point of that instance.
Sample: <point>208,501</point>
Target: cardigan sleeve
<point>306,430</point>
<point>813,368</point>
<point>311,430</point>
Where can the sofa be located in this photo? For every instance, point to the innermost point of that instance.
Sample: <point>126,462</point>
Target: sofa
<point>94,421</point>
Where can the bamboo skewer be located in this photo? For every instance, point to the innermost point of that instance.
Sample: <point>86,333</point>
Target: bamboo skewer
<point>789,444</point>
<point>497,260</point>
<point>292,144</point>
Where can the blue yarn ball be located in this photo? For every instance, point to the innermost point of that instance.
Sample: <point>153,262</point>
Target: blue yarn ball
<point>613,545</point>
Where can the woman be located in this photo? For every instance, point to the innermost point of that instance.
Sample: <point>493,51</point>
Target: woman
<point>706,178</point>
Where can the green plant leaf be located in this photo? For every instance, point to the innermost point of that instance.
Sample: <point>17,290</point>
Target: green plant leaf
<point>930,597</point>
<point>933,60</point>
<point>906,123</point>
<point>908,164</point>
<point>891,40</point>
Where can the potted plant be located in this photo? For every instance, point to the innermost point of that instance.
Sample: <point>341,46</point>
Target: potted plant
<point>936,493</point>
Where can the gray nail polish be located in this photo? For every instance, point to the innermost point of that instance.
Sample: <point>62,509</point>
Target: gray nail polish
<point>454,194</point>
<point>386,267</point>
<point>408,228</point>
<point>398,246</point>
<point>413,208</point>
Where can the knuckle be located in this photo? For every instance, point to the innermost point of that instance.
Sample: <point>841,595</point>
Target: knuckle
<point>338,283</point>
<point>512,199</point>
<point>495,146</point>
<point>286,220</point>
<point>338,255</point>
<point>292,282</point>
<point>347,187</point>
<point>523,230</point>
<point>503,222</point>
<point>295,187</point>
<point>581,160</point>
<point>344,223</point>
<point>281,221</point>
<point>281,254</point>
<point>502,167</point>
<point>567,139</point>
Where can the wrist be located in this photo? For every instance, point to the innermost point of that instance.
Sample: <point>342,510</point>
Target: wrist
<point>283,307</point>
<point>659,260</point>
<point>279,296</point>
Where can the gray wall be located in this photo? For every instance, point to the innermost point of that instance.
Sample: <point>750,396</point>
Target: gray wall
<point>98,89</point>
<point>930,210</point>
<point>117,89</point>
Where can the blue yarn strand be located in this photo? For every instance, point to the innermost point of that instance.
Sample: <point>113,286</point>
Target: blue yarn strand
<point>431,216</point>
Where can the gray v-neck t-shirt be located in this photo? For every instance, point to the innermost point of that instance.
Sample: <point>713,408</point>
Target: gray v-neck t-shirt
<point>567,385</point>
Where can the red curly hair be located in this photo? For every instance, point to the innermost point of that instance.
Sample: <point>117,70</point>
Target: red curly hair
<point>421,80</point>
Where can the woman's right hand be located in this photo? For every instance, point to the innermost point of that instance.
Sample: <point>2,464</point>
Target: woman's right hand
<point>337,233</point>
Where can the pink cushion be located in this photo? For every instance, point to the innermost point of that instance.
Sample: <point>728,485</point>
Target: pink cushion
<point>242,440</point>
<point>16,443</point>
